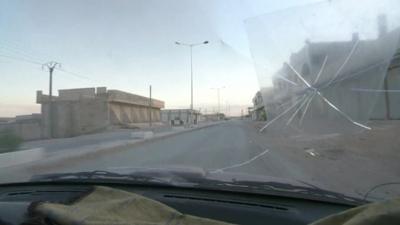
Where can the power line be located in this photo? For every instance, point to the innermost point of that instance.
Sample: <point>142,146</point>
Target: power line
<point>32,59</point>
<point>18,50</point>
<point>23,49</point>
<point>10,50</point>
<point>41,64</point>
<point>21,59</point>
<point>74,74</point>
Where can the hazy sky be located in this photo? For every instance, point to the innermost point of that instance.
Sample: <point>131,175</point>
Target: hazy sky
<point>128,45</point>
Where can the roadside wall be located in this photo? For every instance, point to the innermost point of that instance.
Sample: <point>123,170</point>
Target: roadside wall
<point>27,129</point>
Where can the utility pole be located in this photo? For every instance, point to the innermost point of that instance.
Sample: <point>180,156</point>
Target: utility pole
<point>227,109</point>
<point>150,105</point>
<point>51,66</point>
<point>191,78</point>
<point>219,102</point>
<point>218,96</point>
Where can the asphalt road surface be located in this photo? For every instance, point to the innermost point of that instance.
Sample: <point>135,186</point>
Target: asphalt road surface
<point>237,146</point>
<point>230,146</point>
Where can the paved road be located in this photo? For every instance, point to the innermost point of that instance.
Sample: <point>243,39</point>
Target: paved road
<point>211,148</point>
<point>234,146</point>
<point>237,146</point>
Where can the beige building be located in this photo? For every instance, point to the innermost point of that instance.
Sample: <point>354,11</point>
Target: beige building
<point>257,112</point>
<point>214,117</point>
<point>178,117</point>
<point>355,88</point>
<point>86,110</point>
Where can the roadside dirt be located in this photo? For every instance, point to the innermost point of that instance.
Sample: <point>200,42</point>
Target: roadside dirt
<point>350,163</point>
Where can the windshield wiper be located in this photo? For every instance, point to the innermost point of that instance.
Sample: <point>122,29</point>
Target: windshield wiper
<point>96,176</point>
<point>200,181</point>
<point>309,191</point>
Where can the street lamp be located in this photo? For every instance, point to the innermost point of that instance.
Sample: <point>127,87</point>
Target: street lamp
<point>191,69</point>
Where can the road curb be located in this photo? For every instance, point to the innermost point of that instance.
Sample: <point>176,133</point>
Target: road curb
<point>178,132</point>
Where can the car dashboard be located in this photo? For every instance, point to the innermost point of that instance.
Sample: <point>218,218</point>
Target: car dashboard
<point>237,208</point>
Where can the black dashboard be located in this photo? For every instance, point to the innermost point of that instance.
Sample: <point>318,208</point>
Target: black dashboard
<point>225,206</point>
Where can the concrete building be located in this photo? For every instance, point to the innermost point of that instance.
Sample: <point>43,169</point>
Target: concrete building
<point>257,112</point>
<point>388,106</point>
<point>250,112</point>
<point>86,110</point>
<point>179,117</point>
<point>356,88</point>
<point>214,117</point>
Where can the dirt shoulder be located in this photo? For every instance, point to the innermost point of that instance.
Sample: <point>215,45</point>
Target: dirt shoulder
<point>348,163</point>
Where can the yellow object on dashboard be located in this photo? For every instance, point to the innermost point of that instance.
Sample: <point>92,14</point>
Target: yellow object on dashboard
<point>106,205</point>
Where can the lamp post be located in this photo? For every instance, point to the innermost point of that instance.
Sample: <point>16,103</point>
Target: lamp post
<point>191,70</point>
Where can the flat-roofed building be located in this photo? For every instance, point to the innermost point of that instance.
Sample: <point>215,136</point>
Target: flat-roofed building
<point>86,110</point>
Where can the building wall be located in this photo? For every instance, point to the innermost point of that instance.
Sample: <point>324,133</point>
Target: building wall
<point>167,116</point>
<point>356,104</point>
<point>76,93</point>
<point>393,97</point>
<point>72,118</point>
<point>93,114</point>
<point>121,113</point>
<point>128,98</point>
<point>258,111</point>
<point>64,119</point>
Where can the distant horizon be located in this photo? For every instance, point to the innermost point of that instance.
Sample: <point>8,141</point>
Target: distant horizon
<point>12,110</point>
<point>8,111</point>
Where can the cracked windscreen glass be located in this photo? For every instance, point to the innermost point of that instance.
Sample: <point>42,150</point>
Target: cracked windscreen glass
<point>296,93</point>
